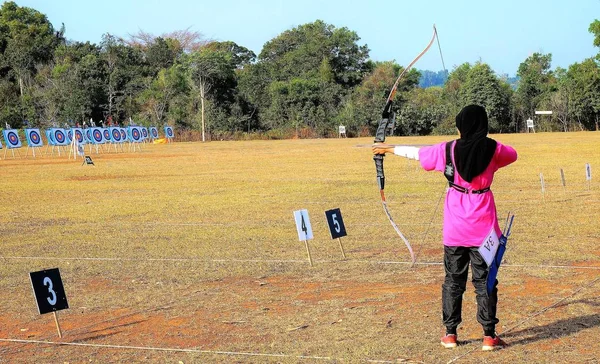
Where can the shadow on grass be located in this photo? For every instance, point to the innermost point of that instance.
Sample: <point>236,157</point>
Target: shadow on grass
<point>557,329</point>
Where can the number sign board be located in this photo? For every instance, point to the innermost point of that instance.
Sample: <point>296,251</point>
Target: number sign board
<point>88,160</point>
<point>303,225</point>
<point>336,223</point>
<point>588,172</point>
<point>48,290</point>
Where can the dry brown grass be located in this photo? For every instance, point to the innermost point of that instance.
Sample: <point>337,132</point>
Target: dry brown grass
<point>199,250</point>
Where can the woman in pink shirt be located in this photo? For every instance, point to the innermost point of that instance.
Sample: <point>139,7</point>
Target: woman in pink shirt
<point>469,215</point>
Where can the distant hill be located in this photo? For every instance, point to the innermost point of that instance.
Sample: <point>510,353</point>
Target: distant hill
<point>431,79</point>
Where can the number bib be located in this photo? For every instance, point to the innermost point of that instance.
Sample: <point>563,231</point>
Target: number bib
<point>489,247</point>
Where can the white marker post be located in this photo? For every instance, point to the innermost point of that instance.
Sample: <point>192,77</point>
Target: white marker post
<point>304,230</point>
<point>588,175</point>
<point>543,186</point>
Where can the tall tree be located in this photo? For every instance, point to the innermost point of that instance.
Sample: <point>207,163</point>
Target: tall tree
<point>27,39</point>
<point>206,69</point>
<point>534,83</point>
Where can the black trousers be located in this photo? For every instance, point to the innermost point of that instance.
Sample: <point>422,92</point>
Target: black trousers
<point>456,264</point>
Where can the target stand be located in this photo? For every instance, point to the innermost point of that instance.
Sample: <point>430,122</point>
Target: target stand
<point>135,138</point>
<point>34,140</point>
<point>11,137</point>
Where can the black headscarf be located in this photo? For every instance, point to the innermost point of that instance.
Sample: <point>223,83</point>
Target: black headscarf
<point>474,150</point>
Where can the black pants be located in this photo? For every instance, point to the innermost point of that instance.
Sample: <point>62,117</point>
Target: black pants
<point>456,264</point>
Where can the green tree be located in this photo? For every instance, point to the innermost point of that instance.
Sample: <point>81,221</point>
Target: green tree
<point>534,85</point>
<point>27,39</point>
<point>483,87</point>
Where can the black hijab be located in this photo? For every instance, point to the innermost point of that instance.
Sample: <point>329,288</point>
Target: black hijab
<point>473,152</point>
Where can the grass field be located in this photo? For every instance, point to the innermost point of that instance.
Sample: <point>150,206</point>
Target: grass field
<point>188,252</point>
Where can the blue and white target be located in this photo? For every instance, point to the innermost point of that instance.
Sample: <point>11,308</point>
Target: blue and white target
<point>136,135</point>
<point>88,135</point>
<point>11,137</point>
<point>144,133</point>
<point>50,138</point>
<point>34,139</point>
<point>70,134</point>
<point>154,132</point>
<point>97,136</point>
<point>169,132</point>
<point>123,134</point>
<point>60,136</point>
<point>79,135</point>
<point>116,135</point>
<point>106,134</point>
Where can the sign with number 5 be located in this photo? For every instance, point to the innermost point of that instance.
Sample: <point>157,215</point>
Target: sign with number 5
<point>48,290</point>
<point>336,223</point>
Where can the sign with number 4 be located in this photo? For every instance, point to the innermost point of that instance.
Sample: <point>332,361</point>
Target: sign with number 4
<point>303,225</point>
<point>48,290</point>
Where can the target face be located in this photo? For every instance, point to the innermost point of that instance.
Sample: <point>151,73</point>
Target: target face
<point>79,136</point>
<point>144,133</point>
<point>88,135</point>
<point>97,136</point>
<point>168,131</point>
<point>116,135</point>
<point>12,139</point>
<point>154,132</point>
<point>123,134</point>
<point>135,134</point>
<point>70,134</point>
<point>34,139</point>
<point>106,134</point>
<point>60,137</point>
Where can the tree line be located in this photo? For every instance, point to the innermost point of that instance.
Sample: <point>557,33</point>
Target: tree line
<point>304,83</point>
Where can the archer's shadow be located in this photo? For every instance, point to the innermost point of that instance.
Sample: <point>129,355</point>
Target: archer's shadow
<point>557,329</point>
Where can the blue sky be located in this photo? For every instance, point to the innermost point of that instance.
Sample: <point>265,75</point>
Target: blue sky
<point>500,33</point>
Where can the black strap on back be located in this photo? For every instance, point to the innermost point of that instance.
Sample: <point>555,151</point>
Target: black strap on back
<point>449,173</point>
<point>449,170</point>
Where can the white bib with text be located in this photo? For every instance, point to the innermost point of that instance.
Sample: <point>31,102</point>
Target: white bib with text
<point>489,247</point>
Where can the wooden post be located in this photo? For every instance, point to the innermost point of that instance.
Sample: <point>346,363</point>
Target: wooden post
<point>342,248</point>
<point>57,324</point>
<point>308,251</point>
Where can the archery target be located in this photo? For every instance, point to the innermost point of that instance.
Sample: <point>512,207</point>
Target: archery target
<point>136,135</point>
<point>12,138</point>
<point>50,138</point>
<point>123,134</point>
<point>97,137</point>
<point>79,135</point>
<point>60,137</point>
<point>88,135</point>
<point>70,134</point>
<point>116,135</point>
<point>34,139</point>
<point>154,132</point>
<point>144,133</point>
<point>106,134</point>
<point>168,132</point>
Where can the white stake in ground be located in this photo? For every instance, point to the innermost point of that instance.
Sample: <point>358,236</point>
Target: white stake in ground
<point>588,175</point>
<point>543,186</point>
<point>304,230</point>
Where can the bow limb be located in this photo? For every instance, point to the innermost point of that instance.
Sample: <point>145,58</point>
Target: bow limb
<point>395,87</point>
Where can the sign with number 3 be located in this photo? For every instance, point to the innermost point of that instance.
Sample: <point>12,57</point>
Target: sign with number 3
<point>48,290</point>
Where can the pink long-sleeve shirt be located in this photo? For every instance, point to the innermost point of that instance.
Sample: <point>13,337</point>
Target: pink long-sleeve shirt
<point>468,218</point>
